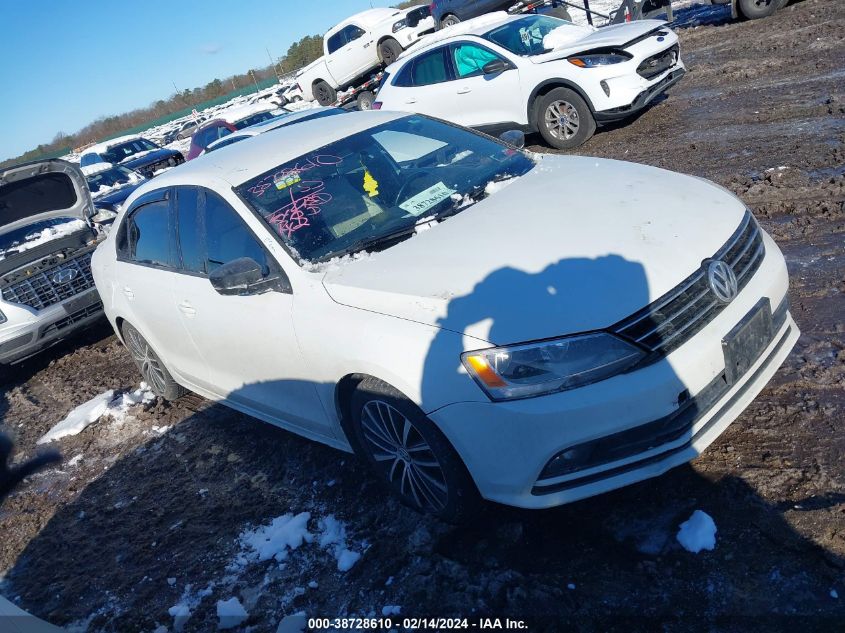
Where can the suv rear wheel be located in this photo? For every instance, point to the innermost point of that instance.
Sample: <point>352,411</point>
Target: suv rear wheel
<point>564,119</point>
<point>389,50</point>
<point>410,454</point>
<point>449,20</point>
<point>753,9</point>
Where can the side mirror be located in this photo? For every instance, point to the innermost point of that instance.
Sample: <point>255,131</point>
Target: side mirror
<point>514,138</point>
<point>244,276</point>
<point>494,67</point>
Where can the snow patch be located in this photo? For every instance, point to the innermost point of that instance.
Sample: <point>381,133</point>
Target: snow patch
<point>566,34</point>
<point>231,613</point>
<point>181,612</point>
<point>45,235</point>
<point>834,594</point>
<point>285,533</point>
<point>391,609</point>
<point>495,186</point>
<point>106,404</point>
<point>334,537</point>
<point>698,532</point>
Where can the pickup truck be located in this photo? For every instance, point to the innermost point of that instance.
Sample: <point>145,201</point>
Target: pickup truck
<point>360,45</point>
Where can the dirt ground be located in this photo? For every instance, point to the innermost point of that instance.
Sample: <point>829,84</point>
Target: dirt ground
<point>149,516</point>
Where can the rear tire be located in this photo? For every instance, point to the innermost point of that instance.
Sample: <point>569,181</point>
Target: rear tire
<point>152,370</point>
<point>365,100</point>
<point>389,51</point>
<point>324,93</point>
<point>449,20</point>
<point>564,119</point>
<point>410,454</point>
<point>755,9</point>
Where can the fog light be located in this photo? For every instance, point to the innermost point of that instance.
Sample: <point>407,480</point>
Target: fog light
<point>605,87</point>
<point>568,461</point>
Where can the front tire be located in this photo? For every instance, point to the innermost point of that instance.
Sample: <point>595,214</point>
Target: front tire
<point>410,454</point>
<point>564,119</point>
<point>324,93</point>
<point>755,9</point>
<point>152,370</point>
<point>389,51</point>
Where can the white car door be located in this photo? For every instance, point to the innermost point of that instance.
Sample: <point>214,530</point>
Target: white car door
<point>423,85</point>
<point>245,347</point>
<point>144,272</point>
<point>478,98</point>
<point>352,52</point>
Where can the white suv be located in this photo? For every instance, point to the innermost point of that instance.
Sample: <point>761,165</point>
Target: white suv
<point>467,317</point>
<point>46,242</point>
<point>535,73</point>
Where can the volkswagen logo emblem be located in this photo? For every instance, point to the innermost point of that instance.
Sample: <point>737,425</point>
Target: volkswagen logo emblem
<point>722,281</point>
<point>64,276</point>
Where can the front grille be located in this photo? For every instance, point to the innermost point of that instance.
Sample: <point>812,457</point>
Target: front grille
<point>657,64</point>
<point>43,289</point>
<point>678,315</point>
<point>71,319</point>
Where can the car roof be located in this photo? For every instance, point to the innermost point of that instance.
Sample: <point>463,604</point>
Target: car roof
<point>105,145</point>
<point>370,17</point>
<point>246,160</point>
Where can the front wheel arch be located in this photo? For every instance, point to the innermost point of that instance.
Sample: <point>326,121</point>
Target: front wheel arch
<point>546,87</point>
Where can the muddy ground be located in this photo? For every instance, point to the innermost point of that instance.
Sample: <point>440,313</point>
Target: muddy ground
<point>113,539</point>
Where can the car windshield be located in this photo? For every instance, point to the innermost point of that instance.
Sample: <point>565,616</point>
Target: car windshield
<point>111,179</point>
<point>37,233</point>
<point>375,187</point>
<point>125,150</point>
<point>525,36</point>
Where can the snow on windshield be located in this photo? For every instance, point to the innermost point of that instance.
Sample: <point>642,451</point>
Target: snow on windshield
<point>37,238</point>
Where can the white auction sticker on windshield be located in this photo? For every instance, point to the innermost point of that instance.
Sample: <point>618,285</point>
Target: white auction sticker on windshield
<point>424,200</point>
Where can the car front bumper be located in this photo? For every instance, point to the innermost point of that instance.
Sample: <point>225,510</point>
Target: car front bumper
<point>49,326</point>
<point>507,445</point>
<point>643,96</point>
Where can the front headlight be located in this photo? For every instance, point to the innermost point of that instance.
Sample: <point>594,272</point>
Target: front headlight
<point>401,24</point>
<point>521,371</point>
<point>598,59</point>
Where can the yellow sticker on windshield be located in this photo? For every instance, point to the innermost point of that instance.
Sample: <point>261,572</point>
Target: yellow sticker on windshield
<point>283,182</point>
<point>370,184</point>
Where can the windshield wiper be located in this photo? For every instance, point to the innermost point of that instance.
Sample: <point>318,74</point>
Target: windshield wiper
<point>387,238</point>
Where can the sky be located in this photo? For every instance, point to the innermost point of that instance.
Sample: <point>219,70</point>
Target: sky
<point>66,63</point>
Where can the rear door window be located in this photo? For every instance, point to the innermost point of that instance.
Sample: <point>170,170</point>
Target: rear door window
<point>430,68</point>
<point>149,235</point>
<point>189,229</point>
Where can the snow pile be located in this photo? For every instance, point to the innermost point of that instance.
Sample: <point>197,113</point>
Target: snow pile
<point>181,612</point>
<point>334,263</point>
<point>80,418</point>
<point>289,532</point>
<point>494,186</point>
<point>285,533</point>
<point>231,613</point>
<point>334,536</point>
<point>46,235</point>
<point>698,532</point>
<point>106,404</point>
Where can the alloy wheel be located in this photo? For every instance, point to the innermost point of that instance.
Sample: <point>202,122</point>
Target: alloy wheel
<point>562,120</point>
<point>147,361</point>
<point>404,455</point>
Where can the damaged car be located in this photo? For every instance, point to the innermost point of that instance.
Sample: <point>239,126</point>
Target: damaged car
<point>473,320</point>
<point>535,73</point>
<point>47,238</point>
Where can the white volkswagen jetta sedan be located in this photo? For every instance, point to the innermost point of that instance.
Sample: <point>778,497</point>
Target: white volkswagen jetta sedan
<point>535,73</point>
<point>471,319</point>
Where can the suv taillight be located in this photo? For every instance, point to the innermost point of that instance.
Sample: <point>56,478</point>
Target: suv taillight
<point>376,105</point>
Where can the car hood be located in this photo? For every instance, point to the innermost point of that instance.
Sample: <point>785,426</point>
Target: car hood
<point>146,158</point>
<point>42,190</point>
<point>575,245</point>
<point>584,39</point>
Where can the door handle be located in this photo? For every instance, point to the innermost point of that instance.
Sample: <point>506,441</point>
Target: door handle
<point>187,309</point>
<point>411,100</point>
<point>463,91</point>
<point>128,292</point>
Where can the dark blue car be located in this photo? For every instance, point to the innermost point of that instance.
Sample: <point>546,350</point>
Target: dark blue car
<point>110,186</point>
<point>138,153</point>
